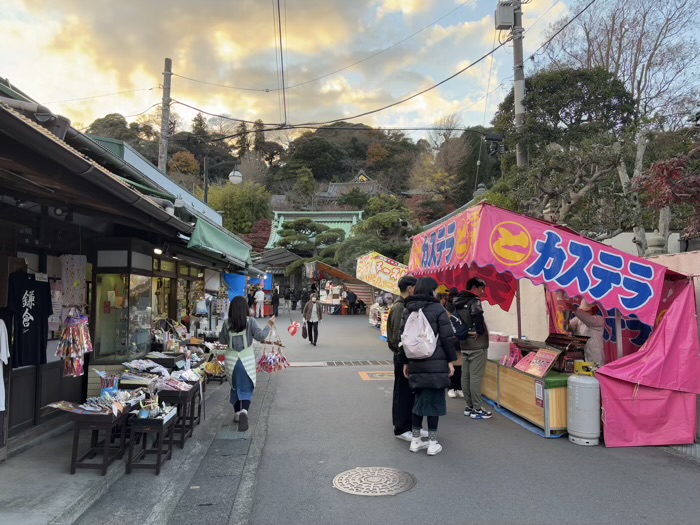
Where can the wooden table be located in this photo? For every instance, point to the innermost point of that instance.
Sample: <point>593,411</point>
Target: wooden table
<point>107,424</point>
<point>162,428</point>
<point>185,402</point>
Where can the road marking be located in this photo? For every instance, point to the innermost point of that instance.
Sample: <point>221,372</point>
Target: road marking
<point>377,376</point>
<point>305,364</point>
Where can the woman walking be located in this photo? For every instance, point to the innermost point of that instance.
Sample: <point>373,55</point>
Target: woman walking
<point>313,315</point>
<point>429,377</point>
<point>238,334</point>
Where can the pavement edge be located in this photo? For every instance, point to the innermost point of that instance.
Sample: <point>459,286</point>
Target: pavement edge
<point>242,510</point>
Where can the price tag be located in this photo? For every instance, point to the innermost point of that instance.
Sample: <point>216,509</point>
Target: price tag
<point>41,277</point>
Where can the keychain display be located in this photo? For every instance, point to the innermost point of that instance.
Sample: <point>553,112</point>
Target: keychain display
<point>272,358</point>
<point>74,343</point>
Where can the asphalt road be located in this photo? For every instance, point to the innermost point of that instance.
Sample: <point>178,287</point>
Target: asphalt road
<point>325,420</point>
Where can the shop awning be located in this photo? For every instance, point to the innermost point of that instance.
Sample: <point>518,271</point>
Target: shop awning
<point>210,238</point>
<point>380,271</point>
<point>501,247</point>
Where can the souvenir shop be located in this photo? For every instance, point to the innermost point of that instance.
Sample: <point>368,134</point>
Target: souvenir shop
<point>93,272</point>
<point>648,382</point>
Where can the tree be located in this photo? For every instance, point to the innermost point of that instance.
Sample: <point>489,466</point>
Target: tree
<point>355,198</point>
<point>565,106</point>
<point>303,194</point>
<point>648,45</point>
<point>113,126</point>
<point>322,157</point>
<point>199,126</point>
<point>259,235</point>
<point>651,47</point>
<point>388,233</point>
<point>253,167</point>
<point>673,182</point>
<point>306,237</point>
<point>258,136</point>
<point>384,203</point>
<point>184,169</point>
<point>242,205</point>
<point>242,140</point>
<point>574,122</point>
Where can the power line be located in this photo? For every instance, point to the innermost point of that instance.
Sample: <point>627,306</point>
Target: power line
<point>268,90</point>
<point>225,117</point>
<point>542,16</point>
<point>99,96</point>
<point>532,56</point>
<point>415,94</point>
<point>279,28</point>
<point>144,111</point>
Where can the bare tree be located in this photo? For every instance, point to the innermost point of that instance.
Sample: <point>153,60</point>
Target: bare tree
<point>253,167</point>
<point>649,45</point>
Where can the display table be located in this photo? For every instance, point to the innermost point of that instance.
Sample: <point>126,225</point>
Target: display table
<point>162,428</point>
<point>518,392</point>
<point>107,424</point>
<point>185,402</point>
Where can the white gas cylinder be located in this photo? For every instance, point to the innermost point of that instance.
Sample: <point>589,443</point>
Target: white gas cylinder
<point>583,417</point>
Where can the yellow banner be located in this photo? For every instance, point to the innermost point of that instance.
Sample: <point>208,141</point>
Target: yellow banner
<point>381,272</point>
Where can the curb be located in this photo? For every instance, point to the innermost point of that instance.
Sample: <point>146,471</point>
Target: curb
<point>241,513</point>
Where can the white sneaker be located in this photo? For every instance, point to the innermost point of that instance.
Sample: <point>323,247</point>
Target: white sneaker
<point>408,435</point>
<point>434,447</point>
<point>451,393</point>
<point>236,416</point>
<point>459,393</point>
<point>418,444</point>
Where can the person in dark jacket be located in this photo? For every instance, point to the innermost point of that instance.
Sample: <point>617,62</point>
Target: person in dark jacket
<point>294,298</point>
<point>431,376</point>
<point>403,399</point>
<point>474,347</point>
<point>455,389</point>
<point>275,302</point>
<point>305,296</point>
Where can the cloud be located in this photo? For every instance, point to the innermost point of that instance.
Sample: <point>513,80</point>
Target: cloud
<point>73,48</point>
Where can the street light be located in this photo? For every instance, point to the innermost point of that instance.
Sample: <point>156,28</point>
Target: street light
<point>235,177</point>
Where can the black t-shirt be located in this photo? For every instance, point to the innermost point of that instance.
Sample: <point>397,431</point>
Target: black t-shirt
<point>30,302</point>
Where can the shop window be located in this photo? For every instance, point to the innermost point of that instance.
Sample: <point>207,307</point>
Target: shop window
<point>122,316</point>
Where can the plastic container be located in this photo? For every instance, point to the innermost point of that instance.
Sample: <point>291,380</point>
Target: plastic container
<point>583,416</point>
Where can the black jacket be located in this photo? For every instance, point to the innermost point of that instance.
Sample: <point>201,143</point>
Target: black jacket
<point>433,371</point>
<point>468,307</point>
<point>394,324</point>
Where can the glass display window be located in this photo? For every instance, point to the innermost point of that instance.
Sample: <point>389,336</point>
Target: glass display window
<point>123,311</point>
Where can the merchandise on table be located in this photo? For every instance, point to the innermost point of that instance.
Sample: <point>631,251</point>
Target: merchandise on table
<point>172,385</point>
<point>146,365</point>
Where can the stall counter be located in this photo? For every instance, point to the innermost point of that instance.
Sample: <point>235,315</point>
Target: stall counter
<point>518,392</point>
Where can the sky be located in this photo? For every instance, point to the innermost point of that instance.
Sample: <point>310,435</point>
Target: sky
<point>57,51</point>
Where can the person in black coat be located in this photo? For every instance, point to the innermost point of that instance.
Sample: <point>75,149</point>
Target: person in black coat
<point>431,376</point>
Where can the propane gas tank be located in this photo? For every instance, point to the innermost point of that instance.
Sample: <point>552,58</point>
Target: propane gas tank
<point>583,417</point>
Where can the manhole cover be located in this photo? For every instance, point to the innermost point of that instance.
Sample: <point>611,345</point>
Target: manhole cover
<point>374,481</point>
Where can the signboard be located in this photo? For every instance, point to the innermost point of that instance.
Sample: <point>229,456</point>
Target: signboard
<point>381,272</point>
<point>501,246</point>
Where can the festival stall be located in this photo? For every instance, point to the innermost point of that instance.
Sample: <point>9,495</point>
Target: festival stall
<point>382,273</point>
<point>648,395</point>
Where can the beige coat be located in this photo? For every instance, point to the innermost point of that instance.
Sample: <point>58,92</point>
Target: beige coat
<point>591,326</point>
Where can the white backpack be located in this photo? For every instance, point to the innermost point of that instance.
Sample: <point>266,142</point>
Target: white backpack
<point>418,339</point>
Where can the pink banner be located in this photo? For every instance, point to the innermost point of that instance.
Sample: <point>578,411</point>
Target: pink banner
<point>507,246</point>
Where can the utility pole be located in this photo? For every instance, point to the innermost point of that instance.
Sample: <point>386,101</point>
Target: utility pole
<point>165,117</point>
<point>519,80</point>
<point>206,182</point>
